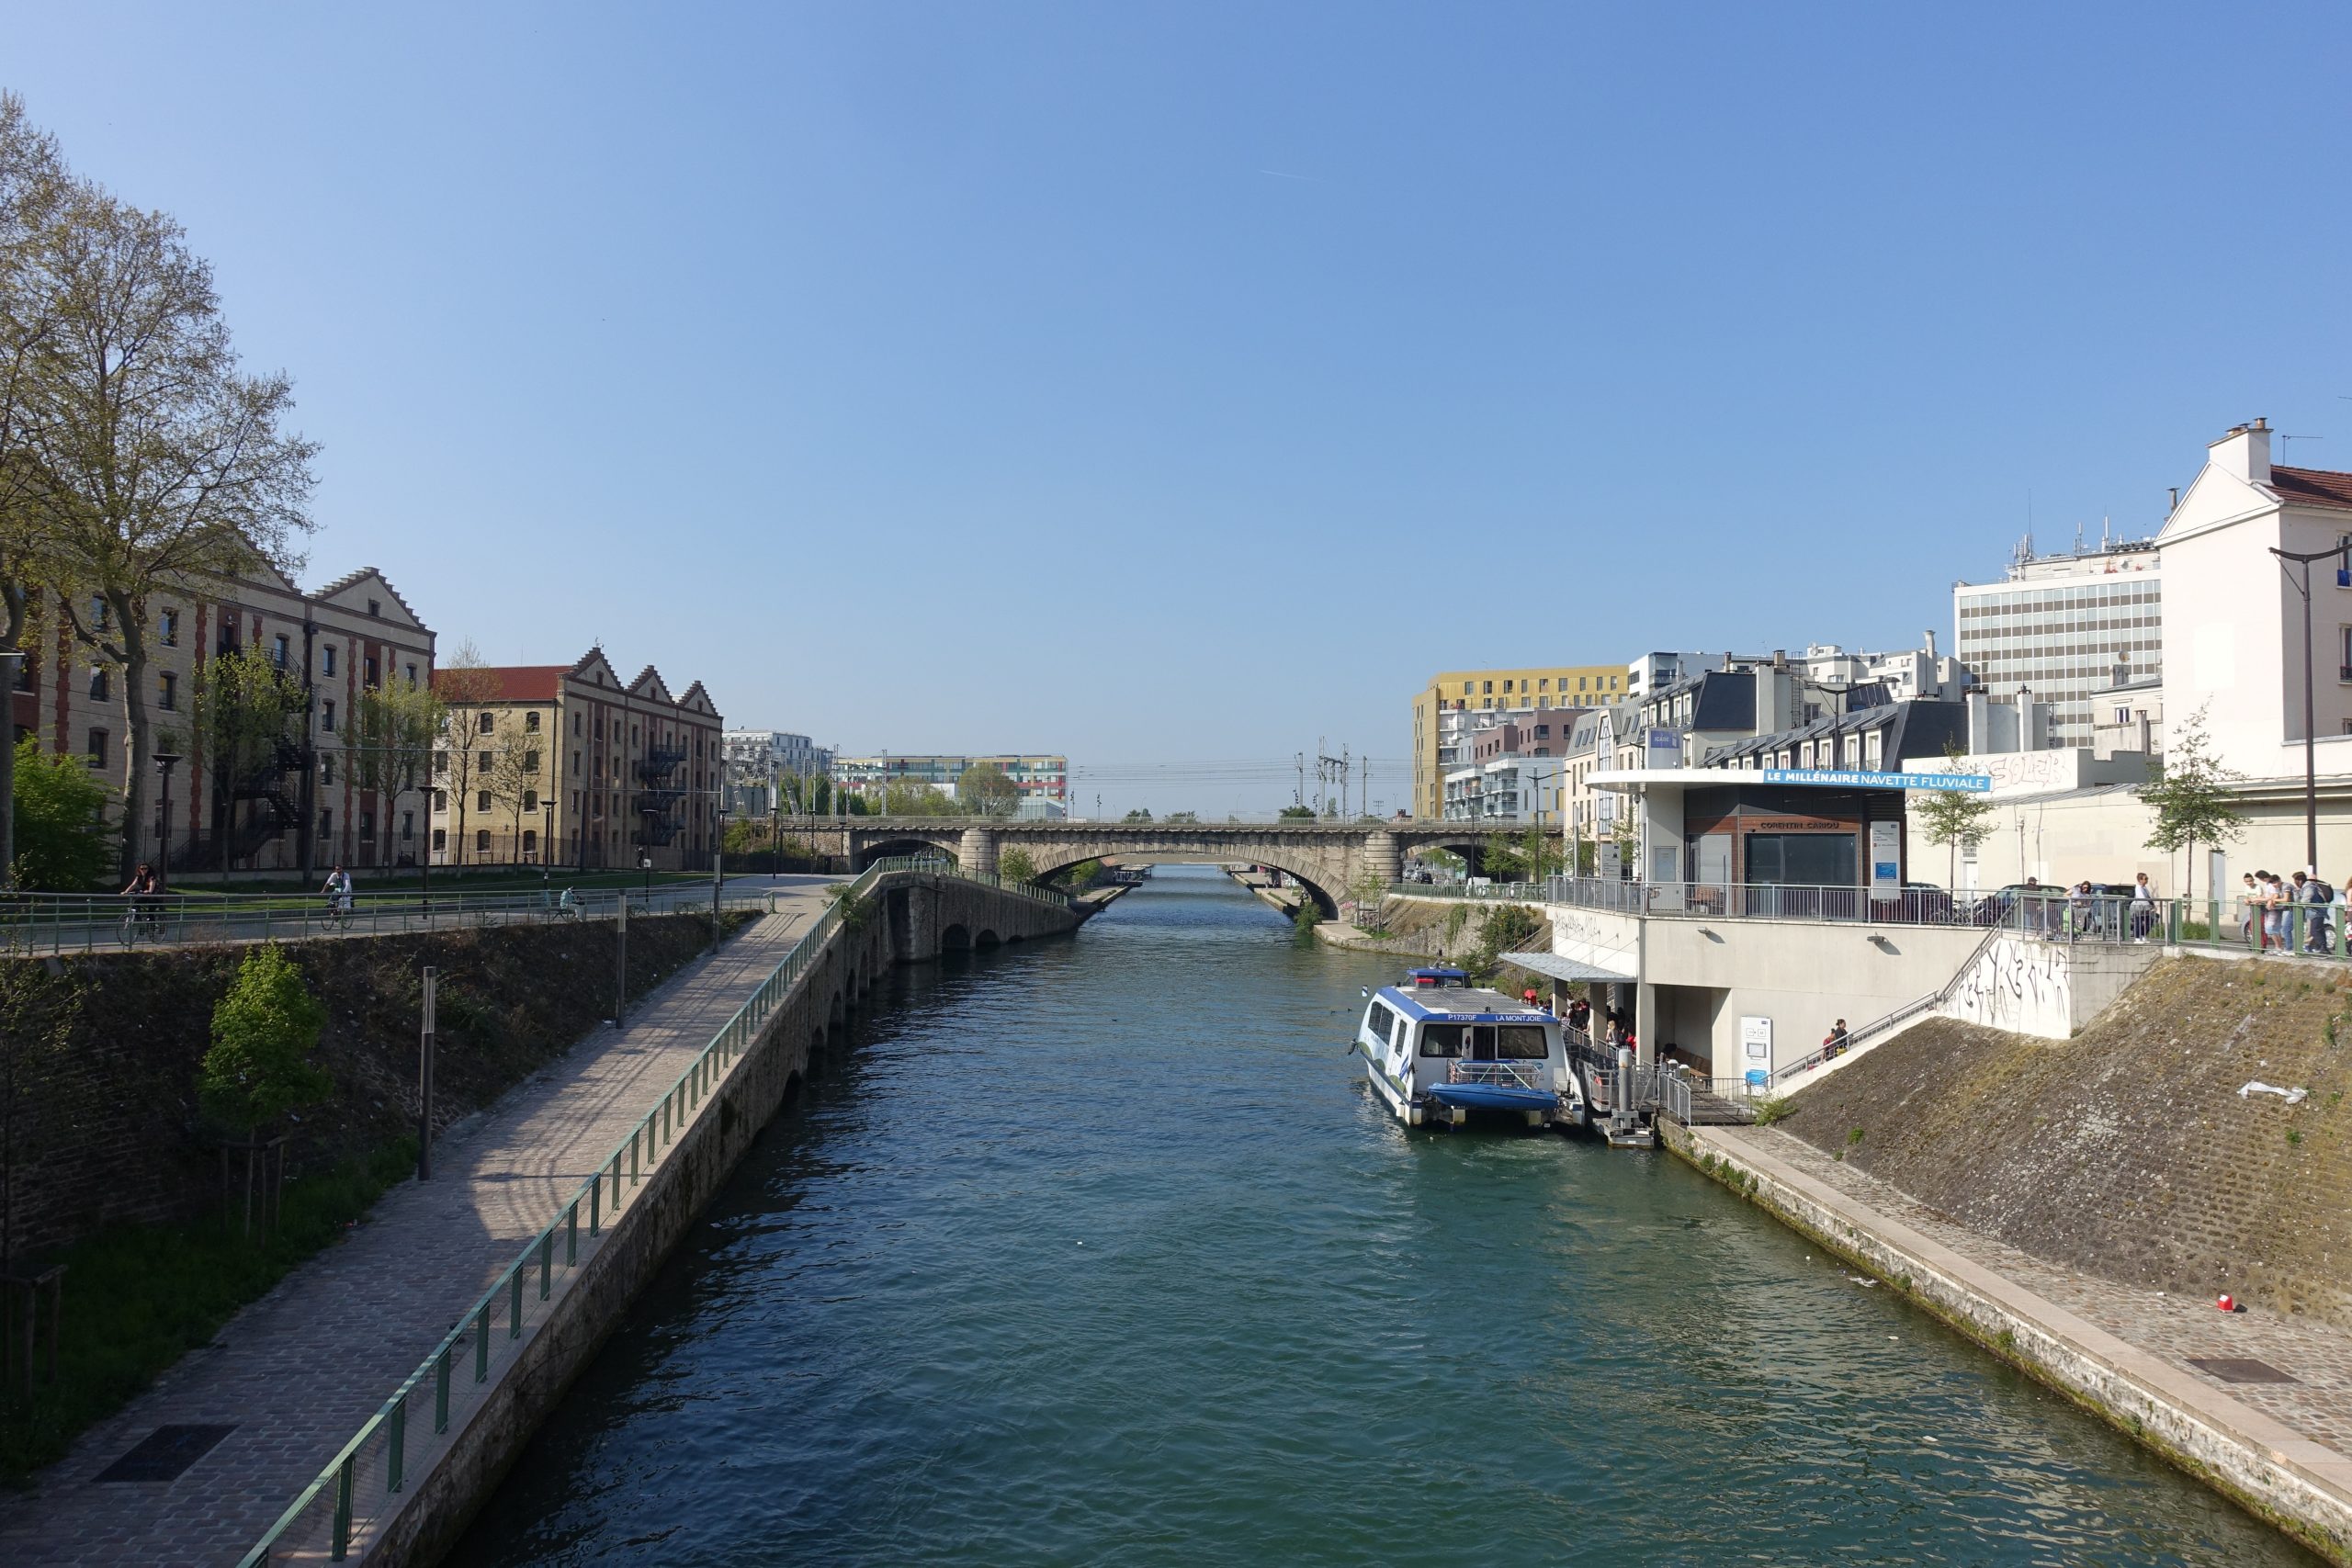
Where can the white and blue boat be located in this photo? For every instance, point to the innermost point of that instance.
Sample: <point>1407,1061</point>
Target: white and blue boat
<point>1439,1050</point>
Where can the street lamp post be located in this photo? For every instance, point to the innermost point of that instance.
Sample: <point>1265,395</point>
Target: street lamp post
<point>2311,755</point>
<point>775,820</point>
<point>164,761</point>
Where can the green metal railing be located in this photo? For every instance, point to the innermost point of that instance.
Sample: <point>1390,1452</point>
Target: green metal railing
<point>57,923</point>
<point>362,1484</point>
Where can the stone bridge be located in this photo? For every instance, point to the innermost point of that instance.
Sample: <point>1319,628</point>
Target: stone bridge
<point>1327,857</point>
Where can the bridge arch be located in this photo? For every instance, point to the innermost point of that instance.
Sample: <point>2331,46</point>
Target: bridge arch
<point>946,842</point>
<point>1317,880</point>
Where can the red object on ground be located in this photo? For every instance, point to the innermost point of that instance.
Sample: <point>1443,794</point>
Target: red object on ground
<point>2226,1305</point>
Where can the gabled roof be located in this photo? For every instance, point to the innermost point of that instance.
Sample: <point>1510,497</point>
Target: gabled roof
<point>648,683</point>
<point>352,580</point>
<point>698,699</point>
<point>2311,487</point>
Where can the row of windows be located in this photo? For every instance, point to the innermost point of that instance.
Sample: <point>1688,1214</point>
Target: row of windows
<point>1541,684</point>
<point>1981,636</point>
<point>2013,601</point>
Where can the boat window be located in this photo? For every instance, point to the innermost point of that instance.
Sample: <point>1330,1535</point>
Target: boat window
<point>1384,1023</point>
<point>1521,1043</point>
<point>1442,1039</point>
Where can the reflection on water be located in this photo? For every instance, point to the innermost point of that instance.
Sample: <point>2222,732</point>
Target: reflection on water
<point>1097,1251</point>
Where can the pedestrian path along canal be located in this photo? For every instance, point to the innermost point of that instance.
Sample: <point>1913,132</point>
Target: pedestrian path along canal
<point>1097,1251</point>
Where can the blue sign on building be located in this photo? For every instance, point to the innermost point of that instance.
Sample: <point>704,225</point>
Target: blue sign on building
<point>1840,778</point>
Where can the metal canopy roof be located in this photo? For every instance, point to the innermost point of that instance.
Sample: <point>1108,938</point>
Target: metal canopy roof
<point>1559,968</point>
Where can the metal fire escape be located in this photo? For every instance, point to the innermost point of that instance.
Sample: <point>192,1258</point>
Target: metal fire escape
<point>660,799</point>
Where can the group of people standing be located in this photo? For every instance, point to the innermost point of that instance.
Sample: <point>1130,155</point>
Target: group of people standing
<point>2269,901</point>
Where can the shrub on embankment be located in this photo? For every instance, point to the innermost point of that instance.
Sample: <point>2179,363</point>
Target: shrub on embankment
<point>109,1127</point>
<point>2128,1151</point>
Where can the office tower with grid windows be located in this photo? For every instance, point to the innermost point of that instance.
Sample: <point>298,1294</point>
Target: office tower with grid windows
<point>2058,628</point>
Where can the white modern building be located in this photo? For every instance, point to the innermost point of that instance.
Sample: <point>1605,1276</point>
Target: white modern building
<point>757,761</point>
<point>2055,627</point>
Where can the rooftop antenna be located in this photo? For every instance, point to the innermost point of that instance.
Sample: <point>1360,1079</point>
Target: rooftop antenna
<point>2284,438</point>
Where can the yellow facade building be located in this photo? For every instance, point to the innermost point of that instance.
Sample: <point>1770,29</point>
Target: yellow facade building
<point>1450,706</point>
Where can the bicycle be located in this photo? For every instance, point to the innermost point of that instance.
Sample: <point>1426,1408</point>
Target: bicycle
<point>338,915</point>
<point>141,917</point>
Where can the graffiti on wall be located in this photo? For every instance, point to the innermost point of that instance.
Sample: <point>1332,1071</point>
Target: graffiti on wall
<point>2025,987</point>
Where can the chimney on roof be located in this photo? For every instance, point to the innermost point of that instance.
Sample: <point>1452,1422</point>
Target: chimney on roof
<point>1931,642</point>
<point>2244,453</point>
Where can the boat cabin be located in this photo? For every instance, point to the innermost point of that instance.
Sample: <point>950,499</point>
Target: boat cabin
<point>1436,1048</point>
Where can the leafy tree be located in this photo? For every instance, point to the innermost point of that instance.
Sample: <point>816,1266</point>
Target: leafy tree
<point>156,457</point>
<point>1299,814</point>
<point>60,818</point>
<point>264,1028</point>
<point>393,725</point>
<point>904,797</point>
<point>2192,797</point>
<point>244,707</point>
<point>1370,895</point>
<point>985,791</point>
<point>1140,814</point>
<point>1953,818</point>
<point>33,189</point>
<point>1080,877</point>
<point>1528,856</point>
<point>1179,816</point>
<point>1014,866</point>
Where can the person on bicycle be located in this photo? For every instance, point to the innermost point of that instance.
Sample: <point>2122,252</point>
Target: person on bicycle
<point>145,885</point>
<point>338,891</point>
<point>567,905</point>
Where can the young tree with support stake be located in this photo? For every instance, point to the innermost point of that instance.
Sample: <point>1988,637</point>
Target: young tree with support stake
<point>2191,798</point>
<point>1953,818</point>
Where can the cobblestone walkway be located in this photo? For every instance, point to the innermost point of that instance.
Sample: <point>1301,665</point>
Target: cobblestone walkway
<point>297,1372</point>
<point>2317,1405</point>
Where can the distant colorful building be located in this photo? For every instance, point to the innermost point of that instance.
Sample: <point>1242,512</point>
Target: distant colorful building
<point>1044,780</point>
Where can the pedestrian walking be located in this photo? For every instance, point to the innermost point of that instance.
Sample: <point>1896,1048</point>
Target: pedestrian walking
<point>2144,909</point>
<point>2315,897</point>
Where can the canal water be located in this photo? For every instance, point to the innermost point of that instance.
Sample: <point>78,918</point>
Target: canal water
<point>1097,1251</point>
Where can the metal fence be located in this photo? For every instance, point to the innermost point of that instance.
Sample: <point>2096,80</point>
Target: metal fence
<point>362,1487</point>
<point>2049,912</point>
<point>38,923</point>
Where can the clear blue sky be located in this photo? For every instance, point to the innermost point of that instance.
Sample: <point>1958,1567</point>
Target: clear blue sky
<point>1168,383</point>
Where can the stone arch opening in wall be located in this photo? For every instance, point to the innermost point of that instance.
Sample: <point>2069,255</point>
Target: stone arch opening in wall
<point>1471,847</point>
<point>983,941</point>
<point>791,1091</point>
<point>947,844</point>
<point>835,1013</point>
<point>955,939</point>
<point>1050,860</point>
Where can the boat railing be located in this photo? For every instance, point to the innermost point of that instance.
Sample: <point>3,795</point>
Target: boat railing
<point>1505,1075</point>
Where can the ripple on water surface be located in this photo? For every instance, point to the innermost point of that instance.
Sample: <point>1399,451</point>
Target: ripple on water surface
<point>1097,1251</point>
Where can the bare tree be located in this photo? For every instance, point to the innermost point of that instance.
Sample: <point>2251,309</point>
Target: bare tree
<point>158,458</point>
<point>464,685</point>
<point>32,191</point>
<point>511,778</point>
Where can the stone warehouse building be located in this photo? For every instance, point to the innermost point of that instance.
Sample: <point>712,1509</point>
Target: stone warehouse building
<point>572,758</point>
<point>298,809</point>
